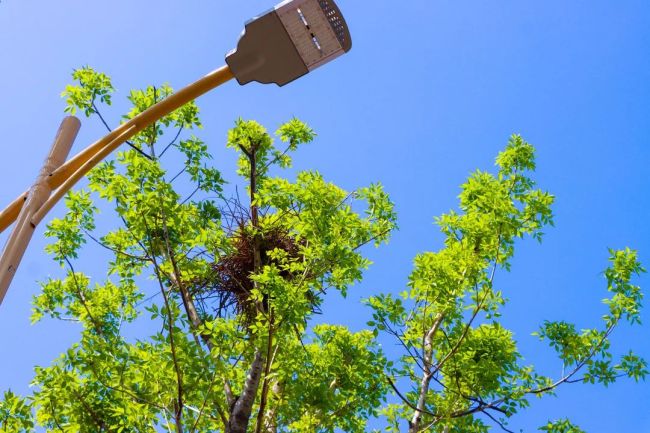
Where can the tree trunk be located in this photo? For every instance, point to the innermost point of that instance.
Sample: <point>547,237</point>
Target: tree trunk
<point>415,422</point>
<point>240,414</point>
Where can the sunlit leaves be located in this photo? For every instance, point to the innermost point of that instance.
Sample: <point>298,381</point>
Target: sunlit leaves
<point>380,211</point>
<point>246,137</point>
<point>15,414</point>
<point>565,340</point>
<point>561,426</point>
<point>518,156</point>
<point>320,215</point>
<point>591,347</point>
<point>92,86</point>
<point>633,366</point>
<point>250,139</point>
<point>480,365</point>
<point>100,307</point>
<point>338,378</point>
<point>294,132</point>
<point>626,301</point>
<point>69,231</point>
<point>457,359</point>
<point>172,224</point>
<point>185,117</point>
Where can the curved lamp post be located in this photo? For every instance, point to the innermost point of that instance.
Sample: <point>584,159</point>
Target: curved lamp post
<point>283,44</point>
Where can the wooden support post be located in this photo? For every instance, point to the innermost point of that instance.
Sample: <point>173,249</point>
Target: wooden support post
<point>35,198</point>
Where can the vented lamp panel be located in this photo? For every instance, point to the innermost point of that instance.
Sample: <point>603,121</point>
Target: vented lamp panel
<point>287,42</point>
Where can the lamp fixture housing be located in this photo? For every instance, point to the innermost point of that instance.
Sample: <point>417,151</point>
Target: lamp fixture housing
<point>290,40</point>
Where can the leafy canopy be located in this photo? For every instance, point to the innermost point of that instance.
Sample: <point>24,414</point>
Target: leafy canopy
<point>461,369</point>
<point>202,319</point>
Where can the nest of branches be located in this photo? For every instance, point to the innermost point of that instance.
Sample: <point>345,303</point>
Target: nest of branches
<point>230,283</point>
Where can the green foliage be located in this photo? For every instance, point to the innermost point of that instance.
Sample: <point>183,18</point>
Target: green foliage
<point>15,414</point>
<point>561,426</point>
<point>590,347</point>
<point>340,373</point>
<point>173,236</point>
<point>327,228</point>
<point>203,318</point>
<point>626,301</point>
<point>462,367</point>
<point>248,137</point>
<point>69,231</point>
<point>185,117</point>
<point>93,87</point>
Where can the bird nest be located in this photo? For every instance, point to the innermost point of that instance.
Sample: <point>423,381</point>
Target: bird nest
<point>230,283</point>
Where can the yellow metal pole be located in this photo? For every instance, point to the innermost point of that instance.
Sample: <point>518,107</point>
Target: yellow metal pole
<point>37,195</point>
<point>110,142</point>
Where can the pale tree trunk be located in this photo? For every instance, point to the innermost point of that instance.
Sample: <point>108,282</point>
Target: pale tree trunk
<point>416,420</point>
<point>241,412</point>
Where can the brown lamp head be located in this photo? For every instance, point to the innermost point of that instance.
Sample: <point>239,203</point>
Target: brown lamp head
<point>287,42</point>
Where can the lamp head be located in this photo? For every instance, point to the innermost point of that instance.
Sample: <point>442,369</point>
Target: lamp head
<point>290,40</point>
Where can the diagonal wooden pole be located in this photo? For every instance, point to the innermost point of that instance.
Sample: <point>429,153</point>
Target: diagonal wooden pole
<point>34,199</point>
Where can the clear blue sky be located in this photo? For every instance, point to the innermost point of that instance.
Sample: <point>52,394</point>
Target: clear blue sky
<point>430,91</point>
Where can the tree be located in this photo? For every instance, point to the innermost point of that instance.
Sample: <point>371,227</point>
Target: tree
<point>230,282</point>
<point>203,319</point>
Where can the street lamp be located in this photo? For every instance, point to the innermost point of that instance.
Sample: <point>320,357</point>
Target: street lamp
<point>295,37</point>
<point>285,43</point>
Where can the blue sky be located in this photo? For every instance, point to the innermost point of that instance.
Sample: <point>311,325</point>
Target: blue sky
<point>430,92</point>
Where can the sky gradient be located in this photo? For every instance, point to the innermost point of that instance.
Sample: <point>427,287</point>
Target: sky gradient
<point>430,92</point>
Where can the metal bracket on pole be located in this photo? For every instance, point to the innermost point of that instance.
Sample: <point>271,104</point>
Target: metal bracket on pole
<point>35,198</point>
